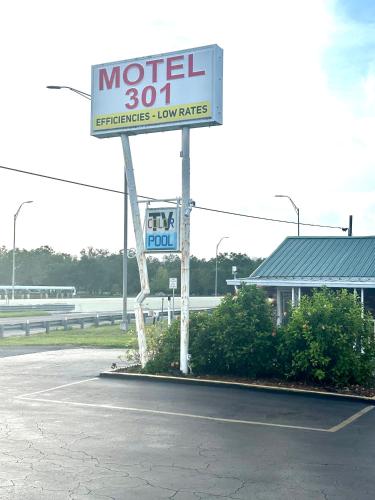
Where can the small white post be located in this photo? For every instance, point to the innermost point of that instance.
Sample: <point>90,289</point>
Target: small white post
<point>293,297</point>
<point>279,311</point>
<point>363,301</point>
<point>185,250</point>
<point>169,311</point>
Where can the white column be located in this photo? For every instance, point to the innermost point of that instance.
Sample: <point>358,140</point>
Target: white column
<point>141,256</point>
<point>185,250</point>
<point>279,311</point>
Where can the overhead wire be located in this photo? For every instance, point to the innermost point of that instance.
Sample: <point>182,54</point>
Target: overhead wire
<point>226,212</point>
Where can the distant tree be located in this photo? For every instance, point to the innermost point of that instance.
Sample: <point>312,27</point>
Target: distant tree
<point>245,266</point>
<point>5,266</point>
<point>97,272</point>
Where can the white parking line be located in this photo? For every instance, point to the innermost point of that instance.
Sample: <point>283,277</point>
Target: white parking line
<point>351,419</point>
<point>173,414</point>
<point>341,425</point>
<point>57,387</point>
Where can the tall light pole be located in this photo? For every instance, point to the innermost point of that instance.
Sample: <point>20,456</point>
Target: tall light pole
<point>294,206</point>
<point>79,92</point>
<point>217,248</point>
<point>124,322</point>
<point>14,245</point>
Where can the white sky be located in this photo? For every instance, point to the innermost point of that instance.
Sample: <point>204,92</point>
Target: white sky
<point>299,115</point>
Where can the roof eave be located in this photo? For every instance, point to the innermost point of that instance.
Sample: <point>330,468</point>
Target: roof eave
<point>301,283</point>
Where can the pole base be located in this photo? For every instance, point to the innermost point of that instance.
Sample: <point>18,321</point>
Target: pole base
<point>124,326</point>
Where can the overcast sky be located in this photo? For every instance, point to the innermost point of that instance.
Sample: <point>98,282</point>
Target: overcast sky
<point>299,116</point>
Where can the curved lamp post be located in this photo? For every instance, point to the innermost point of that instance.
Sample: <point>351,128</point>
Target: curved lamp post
<point>14,245</point>
<point>124,323</point>
<point>79,92</point>
<point>294,206</point>
<point>217,248</point>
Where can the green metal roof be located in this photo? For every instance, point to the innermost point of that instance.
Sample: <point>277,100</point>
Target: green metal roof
<point>321,257</point>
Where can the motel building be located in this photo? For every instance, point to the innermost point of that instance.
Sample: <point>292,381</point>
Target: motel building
<point>302,263</point>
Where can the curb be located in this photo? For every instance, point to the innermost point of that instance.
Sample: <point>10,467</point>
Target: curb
<point>236,385</point>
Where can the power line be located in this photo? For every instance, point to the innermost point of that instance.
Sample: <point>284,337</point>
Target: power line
<point>271,220</point>
<point>92,186</point>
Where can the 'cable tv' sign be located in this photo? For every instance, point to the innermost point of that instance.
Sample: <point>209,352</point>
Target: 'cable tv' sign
<point>162,230</point>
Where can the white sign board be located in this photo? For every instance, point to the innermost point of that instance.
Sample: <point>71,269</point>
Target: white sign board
<point>162,230</point>
<point>173,283</point>
<point>156,93</point>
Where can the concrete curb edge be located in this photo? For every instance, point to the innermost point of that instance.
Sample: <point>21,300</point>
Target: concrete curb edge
<point>237,385</point>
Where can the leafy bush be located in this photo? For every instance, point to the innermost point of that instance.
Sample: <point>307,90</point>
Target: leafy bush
<point>329,339</point>
<point>163,348</point>
<point>235,339</point>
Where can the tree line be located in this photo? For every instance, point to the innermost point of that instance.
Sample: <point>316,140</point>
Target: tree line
<point>97,272</point>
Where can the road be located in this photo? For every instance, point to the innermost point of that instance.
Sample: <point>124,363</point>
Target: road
<point>57,317</point>
<point>115,304</point>
<point>67,434</point>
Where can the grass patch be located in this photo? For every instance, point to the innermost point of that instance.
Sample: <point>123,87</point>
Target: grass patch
<point>22,314</point>
<point>102,336</point>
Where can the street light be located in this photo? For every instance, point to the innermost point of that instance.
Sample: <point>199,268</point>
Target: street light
<point>14,245</point>
<point>124,322</point>
<point>79,92</point>
<point>217,247</point>
<point>294,206</point>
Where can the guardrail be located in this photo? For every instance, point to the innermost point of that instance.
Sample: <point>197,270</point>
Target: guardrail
<point>67,322</point>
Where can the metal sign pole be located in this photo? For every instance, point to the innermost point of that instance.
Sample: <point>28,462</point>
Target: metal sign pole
<point>169,311</point>
<point>141,256</point>
<point>124,322</point>
<point>185,250</point>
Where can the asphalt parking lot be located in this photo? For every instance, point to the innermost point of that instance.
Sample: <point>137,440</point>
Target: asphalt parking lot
<point>67,434</point>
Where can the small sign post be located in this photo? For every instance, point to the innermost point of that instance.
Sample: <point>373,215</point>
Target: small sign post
<point>173,287</point>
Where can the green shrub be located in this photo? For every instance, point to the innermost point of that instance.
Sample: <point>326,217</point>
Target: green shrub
<point>235,339</point>
<point>329,339</point>
<point>164,348</point>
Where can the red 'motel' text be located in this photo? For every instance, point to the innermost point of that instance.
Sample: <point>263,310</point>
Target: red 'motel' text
<point>166,69</point>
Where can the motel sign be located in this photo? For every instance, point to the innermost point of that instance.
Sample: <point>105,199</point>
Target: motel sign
<point>162,230</point>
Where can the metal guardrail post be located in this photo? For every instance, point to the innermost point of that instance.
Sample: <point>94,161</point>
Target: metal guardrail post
<point>47,326</point>
<point>82,324</point>
<point>27,328</point>
<point>1,331</point>
<point>97,320</point>
<point>65,323</point>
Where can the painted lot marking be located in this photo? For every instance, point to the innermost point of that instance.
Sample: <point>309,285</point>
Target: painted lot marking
<point>26,396</point>
<point>351,419</point>
<point>335,428</point>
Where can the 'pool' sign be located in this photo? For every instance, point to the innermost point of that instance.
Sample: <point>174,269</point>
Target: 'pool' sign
<point>162,230</point>
<point>156,93</point>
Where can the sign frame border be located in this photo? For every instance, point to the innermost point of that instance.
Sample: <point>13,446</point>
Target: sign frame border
<point>216,92</point>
